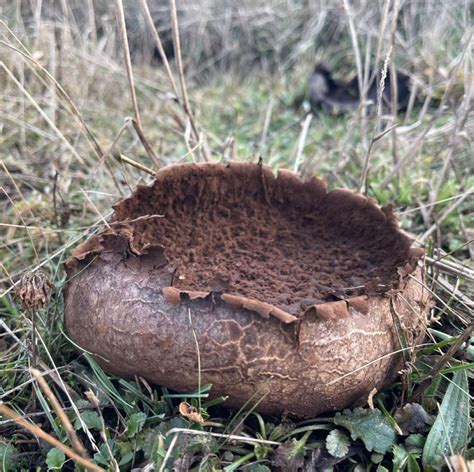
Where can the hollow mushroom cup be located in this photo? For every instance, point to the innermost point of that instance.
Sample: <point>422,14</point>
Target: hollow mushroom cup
<point>272,289</point>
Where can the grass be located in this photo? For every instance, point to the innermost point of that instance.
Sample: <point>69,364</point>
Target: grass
<point>65,112</point>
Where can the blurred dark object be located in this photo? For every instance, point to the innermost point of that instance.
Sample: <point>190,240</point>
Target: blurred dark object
<point>412,418</point>
<point>339,97</point>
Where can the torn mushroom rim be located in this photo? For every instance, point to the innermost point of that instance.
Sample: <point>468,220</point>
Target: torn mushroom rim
<point>122,237</point>
<point>326,311</point>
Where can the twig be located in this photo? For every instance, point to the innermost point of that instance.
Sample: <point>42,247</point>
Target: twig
<point>360,72</point>
<point>182,81</point>
<point>96,210</point>
<point>302,140</point>
<point>232,437</point>
<point>266,125</point>
<point>427,205</point>
<point>34,349</point>
<point>45,261</point>
<point>168,452</point>
<point>441,364</point>
<point>365,168</point>
<point>75,441</point>
<point>451,268</point>
<point>393,80</point>
<point>368,364</point>
<point>63,94</point>
<point>95,401</point>
<point>20,216</point>
<point>137,165</point>
<point>457,129</point>
<point>444,215</point>
<point>159,45</point>
<point>414,149</point>
<point>128,65</point>
<point>37,431</point>
<point>106,154</point>
<point>179,60</point>
<point>184,101</point>
<point>380,42</point>
<point>55,206</point>
<point>146,144</point>
<point>455,293</point>
<point>363,187</point>
<point>446,306</point>
<point>75,111</point>
<point>54,375</point>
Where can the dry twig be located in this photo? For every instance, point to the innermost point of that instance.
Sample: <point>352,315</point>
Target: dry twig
<point>417,394</point>
<point>137,124</point>
<point>75,441</point>
<point>38,432</point>
<point>182,80</point>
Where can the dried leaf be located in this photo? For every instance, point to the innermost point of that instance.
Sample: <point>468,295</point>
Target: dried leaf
<point>289,456</point>
<point>190,412</point>
<point>412,418</point>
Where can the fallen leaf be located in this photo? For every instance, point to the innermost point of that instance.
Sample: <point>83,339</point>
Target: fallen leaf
<point>190,412</point>
<point>412,418</point>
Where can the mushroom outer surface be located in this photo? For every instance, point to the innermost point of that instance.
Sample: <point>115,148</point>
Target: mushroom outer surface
<point>164,291</point>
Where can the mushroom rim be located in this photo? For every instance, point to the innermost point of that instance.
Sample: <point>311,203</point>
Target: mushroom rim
<point>119,239</point>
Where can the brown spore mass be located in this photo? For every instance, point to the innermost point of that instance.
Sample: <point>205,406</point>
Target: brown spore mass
<point>243,231</point>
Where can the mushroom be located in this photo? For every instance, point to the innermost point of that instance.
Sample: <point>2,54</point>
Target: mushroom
<point>269,288</point>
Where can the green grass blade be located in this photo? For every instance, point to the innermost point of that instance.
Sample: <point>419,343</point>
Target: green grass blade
<point>450,431</point>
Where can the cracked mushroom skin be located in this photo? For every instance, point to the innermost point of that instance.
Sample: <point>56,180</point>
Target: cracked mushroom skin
<point>289,291</point>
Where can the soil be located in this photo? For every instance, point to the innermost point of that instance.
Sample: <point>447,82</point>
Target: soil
<point>239,229</point>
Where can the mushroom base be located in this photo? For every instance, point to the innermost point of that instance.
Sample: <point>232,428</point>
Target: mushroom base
<point>118,311</point>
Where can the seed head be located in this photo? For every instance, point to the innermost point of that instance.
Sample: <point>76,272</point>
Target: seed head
<point>34,290</point>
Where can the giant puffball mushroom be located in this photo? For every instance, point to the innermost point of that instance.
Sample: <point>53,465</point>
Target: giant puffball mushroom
<point>280,291</point>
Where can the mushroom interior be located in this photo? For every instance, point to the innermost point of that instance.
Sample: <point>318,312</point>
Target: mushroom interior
<point>238,229</point>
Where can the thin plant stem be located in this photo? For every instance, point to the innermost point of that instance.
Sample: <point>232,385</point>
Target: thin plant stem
<point>75,441</point>
<point>137,123</point>
<point>41,434</point>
